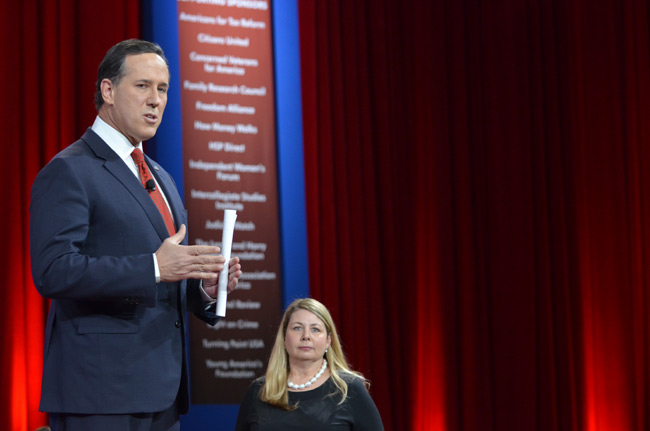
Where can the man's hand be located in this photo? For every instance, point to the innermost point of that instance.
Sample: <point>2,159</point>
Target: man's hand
<point>178,262</point>
<point>211,287</point>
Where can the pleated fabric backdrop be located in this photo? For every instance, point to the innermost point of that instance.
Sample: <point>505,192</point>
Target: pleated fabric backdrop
<point>478,202</point>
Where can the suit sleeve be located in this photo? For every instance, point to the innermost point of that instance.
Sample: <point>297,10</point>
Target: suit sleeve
<point>197,306</point>
<point>75,253</point>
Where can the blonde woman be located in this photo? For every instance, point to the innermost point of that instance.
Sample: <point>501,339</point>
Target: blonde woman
<point>308,383</point>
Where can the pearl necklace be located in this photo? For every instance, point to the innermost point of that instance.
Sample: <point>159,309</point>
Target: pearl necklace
<point>312,380</point>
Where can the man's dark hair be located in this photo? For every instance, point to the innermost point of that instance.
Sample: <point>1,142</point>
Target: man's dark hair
<point>112,66</point>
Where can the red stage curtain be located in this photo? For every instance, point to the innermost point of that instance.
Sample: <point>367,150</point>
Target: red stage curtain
<point>478,204</point>
<point>51,51</point>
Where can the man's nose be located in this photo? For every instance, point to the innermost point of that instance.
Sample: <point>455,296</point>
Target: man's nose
<point>154,98</point>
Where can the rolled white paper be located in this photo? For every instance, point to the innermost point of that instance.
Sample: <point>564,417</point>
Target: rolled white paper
<point>229,217</point>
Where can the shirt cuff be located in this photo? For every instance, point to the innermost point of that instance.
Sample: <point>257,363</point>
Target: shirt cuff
<point>207,299</point>
<point>156,269</point>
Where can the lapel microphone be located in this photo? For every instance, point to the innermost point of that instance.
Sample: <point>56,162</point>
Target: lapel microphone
<point>150,185</point>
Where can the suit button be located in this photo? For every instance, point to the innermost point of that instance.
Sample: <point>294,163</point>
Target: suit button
<point>178,324</point>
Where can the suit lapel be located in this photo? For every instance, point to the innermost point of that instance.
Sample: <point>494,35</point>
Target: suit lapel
<point>123,174</point>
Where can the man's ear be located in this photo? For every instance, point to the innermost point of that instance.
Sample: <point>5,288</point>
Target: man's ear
<point>108,90</point>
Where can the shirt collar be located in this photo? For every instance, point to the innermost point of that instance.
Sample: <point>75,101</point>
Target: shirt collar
<point>114,139</point>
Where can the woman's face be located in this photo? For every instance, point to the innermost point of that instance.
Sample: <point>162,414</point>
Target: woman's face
<point>306,337</point>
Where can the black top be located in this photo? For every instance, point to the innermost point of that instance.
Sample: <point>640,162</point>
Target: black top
<point>317,410</point>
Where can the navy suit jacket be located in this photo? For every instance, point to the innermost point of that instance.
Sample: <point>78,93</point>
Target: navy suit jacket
<point>115,338</point>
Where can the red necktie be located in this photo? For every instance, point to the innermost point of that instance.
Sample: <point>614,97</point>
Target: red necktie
<point>145,176</point>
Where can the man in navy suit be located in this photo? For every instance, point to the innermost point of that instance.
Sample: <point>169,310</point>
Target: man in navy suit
<point>119,280</point>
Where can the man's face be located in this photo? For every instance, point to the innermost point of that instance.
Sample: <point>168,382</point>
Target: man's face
<point>136,104</point>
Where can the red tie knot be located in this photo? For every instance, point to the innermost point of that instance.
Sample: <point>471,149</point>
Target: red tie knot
<point>137,155</point>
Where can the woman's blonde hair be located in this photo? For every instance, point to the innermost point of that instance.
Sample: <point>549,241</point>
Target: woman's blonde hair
<point>274,390</point>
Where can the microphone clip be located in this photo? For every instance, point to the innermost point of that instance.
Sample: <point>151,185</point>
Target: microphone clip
<point>150,185</point>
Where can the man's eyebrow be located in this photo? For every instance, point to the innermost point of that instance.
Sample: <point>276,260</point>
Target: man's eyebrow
<point>149,81</point>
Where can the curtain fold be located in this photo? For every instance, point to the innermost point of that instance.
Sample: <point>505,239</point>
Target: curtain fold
<point>477,203</point>
<point>51,50</point>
